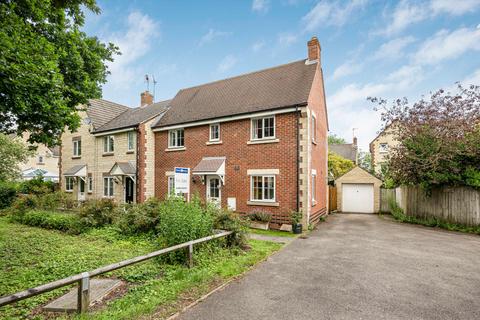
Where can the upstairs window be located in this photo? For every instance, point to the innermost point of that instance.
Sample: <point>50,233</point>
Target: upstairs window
<point>40,160</point>
<point>108,144</point>
<point>175,138</point>
<point>131,140</point>
<point>263,128</point>
<point>383,148</point>
<point>215,132</point>
<point>77,148</point>
<point>314,129</point>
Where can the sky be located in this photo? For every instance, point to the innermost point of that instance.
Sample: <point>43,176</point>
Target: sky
<point>388,49</point>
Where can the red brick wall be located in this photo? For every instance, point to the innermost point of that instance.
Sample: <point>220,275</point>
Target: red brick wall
<point>316,103</point>
<point>141,162</point>
<point>240,157</point>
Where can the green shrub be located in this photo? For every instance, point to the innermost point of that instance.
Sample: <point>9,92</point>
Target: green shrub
<point>8,193</point>
<point>56,200</point>
<point>295,217</point>
<point>182,221</point>
<point>98,213</point>
<point>139,218</point>
<point>36,186</point>
<point>51,220</point>
<point>259,215</point>
<point>23,203</point>
<point>231,221</point>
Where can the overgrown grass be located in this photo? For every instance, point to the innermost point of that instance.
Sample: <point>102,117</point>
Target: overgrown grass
<point>399,215</point>
<point>272,233</point>
<point>32,256</point>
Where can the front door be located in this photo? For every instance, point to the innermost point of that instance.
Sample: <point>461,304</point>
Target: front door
<point>129,189</point>
<point>214,194</point>
<point>81,189</point>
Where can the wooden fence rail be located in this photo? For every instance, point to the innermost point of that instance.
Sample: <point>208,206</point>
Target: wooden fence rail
<point>83,279</point>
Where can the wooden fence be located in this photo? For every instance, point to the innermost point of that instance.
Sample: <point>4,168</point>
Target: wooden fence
<point>332,198</point>
<point>83,279</point>
<point>459,205</point>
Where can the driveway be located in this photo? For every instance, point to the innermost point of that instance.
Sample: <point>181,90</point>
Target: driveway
<point>358,266</point>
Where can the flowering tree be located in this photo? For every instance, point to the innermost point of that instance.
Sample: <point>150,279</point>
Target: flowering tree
<point>439,138</point>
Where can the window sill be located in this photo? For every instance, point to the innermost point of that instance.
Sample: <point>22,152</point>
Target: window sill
<point>77,157</point>
<point>40,163</point>
<point>208,143</point>
<point>130,152</point>
<point>263,141</point>
<point>69,191</point>
<point>175,149</point>
<point>107,154</point>
<point>263,203</point>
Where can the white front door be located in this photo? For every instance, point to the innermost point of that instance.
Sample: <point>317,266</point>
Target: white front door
<point>214,194</point>
<point>81,189</point>
<point>357,197</point>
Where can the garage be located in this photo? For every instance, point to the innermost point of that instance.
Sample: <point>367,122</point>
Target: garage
<point>357,197</point>
<point>358,191</point>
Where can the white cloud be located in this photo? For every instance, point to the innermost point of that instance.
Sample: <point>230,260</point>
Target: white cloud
<point>287,39</point>
<point>227,63</point>
<point>260,5</point>
<point>473,78</point>
<point>211,35</point>
<point>454,7</point>
<point>346,69</point>
<point>257,46</point>
<point>331,13</point>
<point>133,44</point>
<point>448,45</point>
<point>393,49</point>
<point>408,12</point>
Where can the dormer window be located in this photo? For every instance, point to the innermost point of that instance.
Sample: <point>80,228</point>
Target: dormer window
<point>263,128</point>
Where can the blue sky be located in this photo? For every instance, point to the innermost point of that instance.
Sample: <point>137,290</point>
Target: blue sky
<point>369,48</point>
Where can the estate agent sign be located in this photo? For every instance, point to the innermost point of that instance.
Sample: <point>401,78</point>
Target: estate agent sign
<point>182,180</point>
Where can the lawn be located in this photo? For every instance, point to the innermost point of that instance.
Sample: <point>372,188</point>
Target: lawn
<point>32,256</point>
<point>272,233</point>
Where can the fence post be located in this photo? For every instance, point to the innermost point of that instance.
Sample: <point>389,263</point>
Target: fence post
<point>190,255</point>
<point>83,293</point>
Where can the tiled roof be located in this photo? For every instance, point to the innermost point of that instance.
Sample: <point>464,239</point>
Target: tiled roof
<point>133,117</point>
<point>346,150</point>
<point>209,164</point>
<point>102,111</point>
<point>274,88</point>
<point>125,167</point>
<point>73,170</point>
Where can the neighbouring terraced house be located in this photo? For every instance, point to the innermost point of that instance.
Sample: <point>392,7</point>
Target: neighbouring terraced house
<point>111,154</point>
<point>381,147</point>
<point>257,141</point>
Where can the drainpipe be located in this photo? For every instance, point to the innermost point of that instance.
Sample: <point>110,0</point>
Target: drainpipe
<point>298,157</point>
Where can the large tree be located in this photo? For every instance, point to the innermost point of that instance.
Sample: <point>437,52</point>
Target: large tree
<point>338,165</point>
<point>334,139</point>
<point>12,152</point>
<point>439,138</point>
<point>48,66</point>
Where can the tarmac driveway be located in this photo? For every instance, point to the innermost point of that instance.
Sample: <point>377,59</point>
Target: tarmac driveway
<point>358,266</point>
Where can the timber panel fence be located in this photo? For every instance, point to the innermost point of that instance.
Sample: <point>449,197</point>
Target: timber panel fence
<point>386,195</point>
<point>332,198</point>
<point>83,279</point>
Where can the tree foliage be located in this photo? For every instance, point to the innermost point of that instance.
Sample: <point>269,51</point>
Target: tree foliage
<point>365,161</point>
<point>48,66</point>
<point>338,165</point>
<point>334,139</point>
<point>12,153</point>
<point>439,138</point>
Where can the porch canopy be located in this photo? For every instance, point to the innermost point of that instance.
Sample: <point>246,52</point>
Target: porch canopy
<point>123,169</point>
<point>76,171</point>
<point>211,166</point>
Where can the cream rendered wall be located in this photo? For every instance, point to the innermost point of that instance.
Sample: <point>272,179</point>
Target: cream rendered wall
<point>378,157</point>
<point>50,162</point>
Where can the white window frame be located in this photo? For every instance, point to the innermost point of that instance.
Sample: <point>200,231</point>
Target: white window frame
<point>69,184</point>
<point>131,140</point>
<point>314,187</point>
<point>263,176</point>
<point>77,148</point>
<point>253,132</point>
<point>174,144</point>
<point>110,187</point>
<point>109,144</point>
<point>381,149</point>
<point>170,184</point>
<point>314,128</point>
<point>89,184</point>
<point>212,139</point>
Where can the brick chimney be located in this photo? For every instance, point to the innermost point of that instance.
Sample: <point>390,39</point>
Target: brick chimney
<point>314,49</point>
<point>355,141</point>
<point>146,98</point>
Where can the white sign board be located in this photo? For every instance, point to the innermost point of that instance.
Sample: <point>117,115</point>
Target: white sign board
<point>182,180</point>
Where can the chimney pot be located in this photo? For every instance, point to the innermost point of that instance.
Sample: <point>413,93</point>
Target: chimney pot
<point>314,49</point>
<point>355,141</point>
<point>146,98</point>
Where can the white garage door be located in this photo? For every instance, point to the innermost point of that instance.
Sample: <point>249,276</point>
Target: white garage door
<point>357,197</point>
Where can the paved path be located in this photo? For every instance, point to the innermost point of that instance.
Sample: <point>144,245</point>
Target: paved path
<point>358,267</point>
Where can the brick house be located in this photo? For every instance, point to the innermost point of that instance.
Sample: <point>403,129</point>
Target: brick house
<point>111,154</point>
<point>257,141</point>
